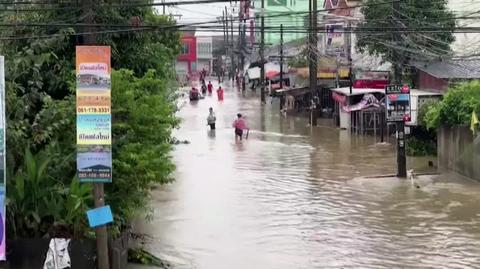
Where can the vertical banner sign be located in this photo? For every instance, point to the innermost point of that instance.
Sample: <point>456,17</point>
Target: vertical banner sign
<point>94,120</point>
<point>2,160</point>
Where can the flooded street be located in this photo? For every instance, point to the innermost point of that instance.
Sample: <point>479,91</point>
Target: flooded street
<point>292,196</point>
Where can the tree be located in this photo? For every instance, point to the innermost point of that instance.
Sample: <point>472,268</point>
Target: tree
<point>402,31</point>
<point>41,111</point>
<point>456,107</point>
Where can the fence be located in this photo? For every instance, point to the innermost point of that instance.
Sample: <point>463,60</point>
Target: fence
<point>459,151</point>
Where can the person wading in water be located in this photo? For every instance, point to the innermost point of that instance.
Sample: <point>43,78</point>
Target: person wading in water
<point>211,119</point>
<point>239,124</point>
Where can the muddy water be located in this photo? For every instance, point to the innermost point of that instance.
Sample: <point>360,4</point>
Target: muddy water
<point>290,197</point>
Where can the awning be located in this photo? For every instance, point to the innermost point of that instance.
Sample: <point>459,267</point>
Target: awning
<point>294,91</point>
<point>368,100</point>
<point>343,73</point>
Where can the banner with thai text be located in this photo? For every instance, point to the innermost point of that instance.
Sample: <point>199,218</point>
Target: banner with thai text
<point>94,120</point>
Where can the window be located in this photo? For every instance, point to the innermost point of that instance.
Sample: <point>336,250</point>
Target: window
<point>204,49</point>
<point>185,49</point>
<point>277,3</point>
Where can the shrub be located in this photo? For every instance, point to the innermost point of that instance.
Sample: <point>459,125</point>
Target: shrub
<point>456,107</point>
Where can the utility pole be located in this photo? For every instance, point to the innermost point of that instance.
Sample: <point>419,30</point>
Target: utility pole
<point>233,46</point>
<point>262,56</point>
<point>227,44</point>
<point>163,1</point>
<point>401,141</point>
<point>282,97</point>
<point>397,63</point>
<point>281,56</point>
<point>313,59</point>
<point>98,188</point>
<point>349,55</point>
<point>243,19</point>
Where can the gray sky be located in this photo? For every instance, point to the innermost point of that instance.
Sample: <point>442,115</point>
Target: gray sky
<point>197,13</point>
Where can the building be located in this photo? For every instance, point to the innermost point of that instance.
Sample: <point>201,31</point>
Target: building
<point>275,15</point>
<point>204,52</point>
<point>439,75</point>
<point>186,64</point>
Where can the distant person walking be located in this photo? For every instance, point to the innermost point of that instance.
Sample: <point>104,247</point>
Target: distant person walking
<point>211,119</point>
<point>220,93</point>
<point>210,87</point>
<point>240,125</point>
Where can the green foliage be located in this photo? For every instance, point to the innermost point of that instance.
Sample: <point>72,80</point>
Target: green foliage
<point>421,147</point>
<point>141,256</point>
<point>143,117</point>
<point>456,107</point>
<point>411,14</point>
<point>423,110</point>
<point>43,193</point>
<point>37,203</point>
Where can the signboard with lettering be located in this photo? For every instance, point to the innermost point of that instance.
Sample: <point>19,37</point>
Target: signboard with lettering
<point>335,41</point>
<point>397,102</point>
<point>94,121</point>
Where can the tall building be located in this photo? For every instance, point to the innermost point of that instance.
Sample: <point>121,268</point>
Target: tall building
<point>292,14</point>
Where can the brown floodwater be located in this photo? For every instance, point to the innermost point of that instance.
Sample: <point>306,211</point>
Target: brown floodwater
<point>292,196</point>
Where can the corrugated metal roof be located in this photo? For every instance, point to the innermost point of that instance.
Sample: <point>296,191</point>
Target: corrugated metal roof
<point>451,69</point>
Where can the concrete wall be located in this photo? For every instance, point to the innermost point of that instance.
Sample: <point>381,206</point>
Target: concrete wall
<point>458,151</point>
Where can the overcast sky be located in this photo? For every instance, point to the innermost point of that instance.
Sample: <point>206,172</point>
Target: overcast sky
<point>197,13</point>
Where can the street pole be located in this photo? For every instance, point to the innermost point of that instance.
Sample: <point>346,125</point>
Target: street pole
<point>98,190</point>
<point>223,25</point>
<point>313,59</point>
<point>232,51</point>
<point>242,64</point>
<point>262,56</point>
<point>349,55</point>
<point>243,21</point>
<point>281,56</point>
<point>396,37</point>
<point>401,154</point>
<point>227,45</point>
<point>282,98</point>
<point>401,141</point>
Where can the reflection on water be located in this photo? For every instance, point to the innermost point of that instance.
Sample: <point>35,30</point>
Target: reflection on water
<point>287,198</point>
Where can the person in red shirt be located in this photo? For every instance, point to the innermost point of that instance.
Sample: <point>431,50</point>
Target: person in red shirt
<point>210,87</point>
<point>220,93</point>
<point>240,125</point>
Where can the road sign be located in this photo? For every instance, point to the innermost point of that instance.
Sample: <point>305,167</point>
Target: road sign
<point>397,102</point>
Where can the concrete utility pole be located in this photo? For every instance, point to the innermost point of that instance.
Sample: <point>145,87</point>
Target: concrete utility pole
<point>313,59</point>
<point>227,44</point>
<point>98,190</point>
<point>262,56</point>
<point>243,42</point>
<point>232,55</point>
<point>281,56</point>
<point>349,55</point>
<point>401,141</point>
